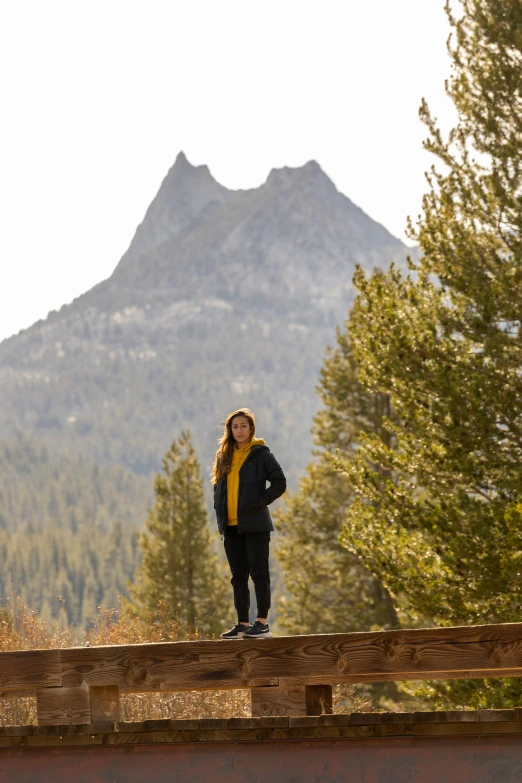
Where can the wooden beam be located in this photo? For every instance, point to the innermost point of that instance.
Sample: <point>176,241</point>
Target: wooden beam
<point>482,651</point>
<point>62,706</point>
<point>105,703</point>
<point>356,726</point>
<point>20,693</point>
<point>175,666</point>
<point>172,687</point>
<point>439,653</point>
<point>420,675</point>
<point>291,700</point>
<point>279,700</point>
<point>29,669</point>
<point>318,699</point>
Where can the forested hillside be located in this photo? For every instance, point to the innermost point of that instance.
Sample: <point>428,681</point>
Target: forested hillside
<point>67,530</point>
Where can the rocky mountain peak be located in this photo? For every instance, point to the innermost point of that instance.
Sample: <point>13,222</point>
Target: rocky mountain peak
<point>182,161</point>
<point>311,173</point>
<point>293,220</point>
<point>183,196</point>
<point>184,171</point>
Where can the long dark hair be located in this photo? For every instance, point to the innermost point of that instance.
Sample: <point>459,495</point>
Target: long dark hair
<point>223,459</point>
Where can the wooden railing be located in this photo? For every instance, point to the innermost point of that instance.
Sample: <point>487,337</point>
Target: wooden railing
<point>289,675</point>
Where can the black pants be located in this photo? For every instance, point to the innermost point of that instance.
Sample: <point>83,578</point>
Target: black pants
<point>247,555</point>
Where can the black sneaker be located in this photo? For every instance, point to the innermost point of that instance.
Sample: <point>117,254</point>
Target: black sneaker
<point>257,631</point>
<point>237,632</point>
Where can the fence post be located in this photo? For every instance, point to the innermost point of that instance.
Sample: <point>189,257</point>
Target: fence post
<point>62,706</point>
<point>77,705</point>
<point>105,703</point>
<point>299,700</point>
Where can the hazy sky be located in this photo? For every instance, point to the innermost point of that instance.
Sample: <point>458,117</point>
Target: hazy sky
<point>98,97</point>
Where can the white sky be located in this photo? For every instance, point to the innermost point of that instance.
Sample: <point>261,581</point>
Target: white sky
<point>98,97</point>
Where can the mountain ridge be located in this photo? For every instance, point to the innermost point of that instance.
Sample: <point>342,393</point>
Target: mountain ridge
<point>264,272</point>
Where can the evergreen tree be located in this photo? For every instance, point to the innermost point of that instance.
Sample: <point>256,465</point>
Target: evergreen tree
<point>179,567</point>
<point>437,515</point>
<point>65,516</point>
<point>327,589</point>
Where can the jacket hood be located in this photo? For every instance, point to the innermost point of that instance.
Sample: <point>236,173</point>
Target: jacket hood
<point>254,442</point>
<point>258,444</point>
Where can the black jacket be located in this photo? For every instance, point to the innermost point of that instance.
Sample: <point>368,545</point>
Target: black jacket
<point>253,515</point>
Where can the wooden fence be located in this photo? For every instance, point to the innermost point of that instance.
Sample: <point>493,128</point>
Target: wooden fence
<point>289,675</point>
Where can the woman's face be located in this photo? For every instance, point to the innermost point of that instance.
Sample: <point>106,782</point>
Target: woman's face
<point>240,427</point>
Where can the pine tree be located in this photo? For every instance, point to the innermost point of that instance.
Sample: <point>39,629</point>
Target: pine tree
<point>179,567</point>
<point>326,587</point>
<point>438,513</point>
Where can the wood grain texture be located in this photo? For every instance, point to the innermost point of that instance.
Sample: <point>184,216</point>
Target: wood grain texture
<point>320,659</point>
<point>294,700</point>
<point>62,706</point>
<point>281,700</point>
<point>268,729</point>
<point>171,687</point>
<point>30,669</point>
<point>156,667</point>
<point>104,703</point>
<point>449,674</point>
<point>346,727</point>
<point>18,693</point>
<point>323,659</point>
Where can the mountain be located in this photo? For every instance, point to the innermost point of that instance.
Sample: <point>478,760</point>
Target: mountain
<point>224,298</point>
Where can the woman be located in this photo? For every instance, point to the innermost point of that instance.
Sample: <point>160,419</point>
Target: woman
<point>242,466</point>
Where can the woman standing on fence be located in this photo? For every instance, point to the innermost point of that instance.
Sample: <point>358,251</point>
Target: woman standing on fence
<point>242,466</point>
